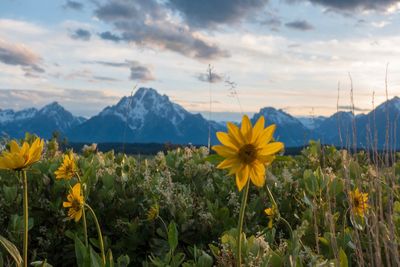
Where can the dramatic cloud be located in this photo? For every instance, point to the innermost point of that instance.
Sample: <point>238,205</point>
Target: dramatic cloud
<point>210,13</point>
<point>81,34</point>
<point>149,24</point>
<point>300,25</point>
<point>354,5</point>
<point>214,78</point>
<point>109,36</point>
<point>73,5</point>
<point>140,73</point>
<point>19,55</point>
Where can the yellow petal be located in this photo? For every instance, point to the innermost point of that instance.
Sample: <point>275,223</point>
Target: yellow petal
<point>268,211</point>
<point>67,204</point>
<point>226,140</point>
<point>4,164</point>
<point>224,151</point>
<point>258,129</point>
<point>228,163</point>
<point>271,148</point>
<point>78,215</point>
<point>266,136</point>
<point>76,190</point>
<point>235,133</point>
<point>266,160</point>
<point>242,176</point>
<point>246,129</point>
<point>14,147</point>
<point>257,174</point>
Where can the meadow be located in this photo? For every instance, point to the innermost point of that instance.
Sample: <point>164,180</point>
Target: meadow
<point>322,207</point>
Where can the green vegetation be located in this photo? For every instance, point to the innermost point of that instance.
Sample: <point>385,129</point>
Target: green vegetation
<point>177,209</point>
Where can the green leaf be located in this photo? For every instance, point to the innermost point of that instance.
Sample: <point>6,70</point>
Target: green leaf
<point>172,236</point>
<point>95,260</point>
<point>205,260</point>
<point>343,258</point>
<point>81,253</point>
<point>109,259</point>
<point>10,193</point>
<point>123,261</point>
<point>12,250</point>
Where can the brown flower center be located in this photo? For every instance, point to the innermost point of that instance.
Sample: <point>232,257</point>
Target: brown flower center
<point>247,153</point>
<point>76,205</point>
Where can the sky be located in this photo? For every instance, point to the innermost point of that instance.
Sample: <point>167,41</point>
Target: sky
<point>295,55</point>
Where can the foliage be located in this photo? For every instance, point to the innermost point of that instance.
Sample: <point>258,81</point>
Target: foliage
<point>198,208</point>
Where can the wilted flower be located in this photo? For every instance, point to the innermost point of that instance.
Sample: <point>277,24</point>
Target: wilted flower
<point>18,158</point>
<point>75,203</point>
<point>67,169</point>
<point>359,201</point>
<point>247,151</point>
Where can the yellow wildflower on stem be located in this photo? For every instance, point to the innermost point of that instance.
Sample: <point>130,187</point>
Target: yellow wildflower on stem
<point>359,202</point>
<point>75,203</point>
<point>247,151</point>
<point>67,169</point>
<point>19,159</point>
<point>271,214</point>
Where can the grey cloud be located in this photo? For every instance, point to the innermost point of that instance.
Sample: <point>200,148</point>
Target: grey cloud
<point>73,5</point>
<point>81,34</point>
<point>355,108</point>
<point>105,79</point>
<point>140,73</point>
<point>215,77</point>
<point>147,24</point>
<point>109,36</point>
<point>19,55</point>
<point>354,5</point>
<point>210,13</point>
<point>300,25</point>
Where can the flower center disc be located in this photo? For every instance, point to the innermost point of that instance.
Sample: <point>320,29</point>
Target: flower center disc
<point>247,153</point>
<point>76,205</point>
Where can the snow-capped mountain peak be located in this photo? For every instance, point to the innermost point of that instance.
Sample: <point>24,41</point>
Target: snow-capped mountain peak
<point>276,116</point>
<point>145,102</point>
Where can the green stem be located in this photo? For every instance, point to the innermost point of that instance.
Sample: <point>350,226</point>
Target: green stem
<point>240,224</point>
<point>83,214</point>
<point>103,256</point>
<point>26,222</point>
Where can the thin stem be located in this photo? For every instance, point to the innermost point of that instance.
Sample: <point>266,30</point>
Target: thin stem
<point>26,221</point>
<point>83,214</point>
<point>103,256</point>
<point>240,224</point>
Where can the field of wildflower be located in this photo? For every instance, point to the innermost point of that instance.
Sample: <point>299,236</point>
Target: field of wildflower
<point>247,204</point>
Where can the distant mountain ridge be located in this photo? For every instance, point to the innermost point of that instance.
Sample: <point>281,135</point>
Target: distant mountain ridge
<point>43,122</point>
<point>148,116</point>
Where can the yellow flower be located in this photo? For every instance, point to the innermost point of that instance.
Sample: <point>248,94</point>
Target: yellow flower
<point>271,213</point>
<point>247,151</point>
<point>67,169</point>
<point>153,212</point>
<point>75,203</point>
<point>18,158</point>
<point>359,202</point>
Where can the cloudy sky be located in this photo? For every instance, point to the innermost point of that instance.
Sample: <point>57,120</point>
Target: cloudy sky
<point>289,54</point>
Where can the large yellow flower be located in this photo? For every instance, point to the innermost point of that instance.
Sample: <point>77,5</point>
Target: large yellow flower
<point>18,158</point>
<point>75,203</point>
<point>247,151</point>
<point>359,202</point>
<point>67,169</point>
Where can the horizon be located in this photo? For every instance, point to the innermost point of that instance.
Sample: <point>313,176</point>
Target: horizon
<point>290,55</point>
<point>215,115</point>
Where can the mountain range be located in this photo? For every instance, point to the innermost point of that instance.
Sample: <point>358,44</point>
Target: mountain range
<point>148,117</point>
